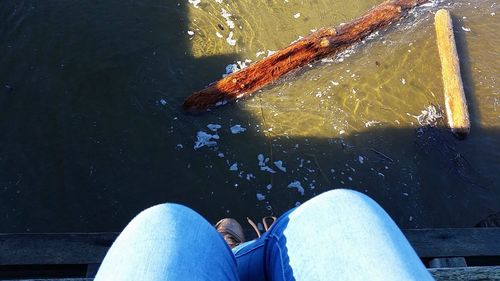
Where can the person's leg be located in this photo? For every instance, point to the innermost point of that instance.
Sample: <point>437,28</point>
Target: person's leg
<point>250,260</point>
<point>168,242</point>
<point>340,235</point>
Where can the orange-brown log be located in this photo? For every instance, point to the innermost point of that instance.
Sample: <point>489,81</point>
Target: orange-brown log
<point>320,44</point>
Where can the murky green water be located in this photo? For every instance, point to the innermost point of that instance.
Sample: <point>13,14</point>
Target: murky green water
<point>92,130</point>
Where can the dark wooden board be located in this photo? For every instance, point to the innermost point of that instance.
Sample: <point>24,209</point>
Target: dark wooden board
<point>62,279</point>
<point>440,274</point>
<point>43,248</point>
<point>90,248</point>
<point>455,242</point>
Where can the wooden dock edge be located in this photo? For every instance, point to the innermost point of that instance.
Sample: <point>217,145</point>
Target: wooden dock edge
<point>466,273</point>
<point>450,246</point>
<point>439,274</point>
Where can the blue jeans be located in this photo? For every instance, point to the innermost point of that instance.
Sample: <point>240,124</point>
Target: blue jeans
<point>338,235</point>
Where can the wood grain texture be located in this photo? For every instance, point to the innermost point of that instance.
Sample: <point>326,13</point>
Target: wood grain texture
<point>466,273</point>
<point>66,248</point>
<point>440,274</point>
<point>322,43</point>
<point>455,242</point>
<point>455,101</point>
<point>55,279</point>
<point>447,262</point>
<point>90,248</point>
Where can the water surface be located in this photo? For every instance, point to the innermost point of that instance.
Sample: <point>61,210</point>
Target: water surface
<point>93,132</point>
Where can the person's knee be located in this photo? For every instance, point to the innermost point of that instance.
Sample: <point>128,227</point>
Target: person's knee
<point>161,217</point>
<point>342,195</point>
<point>163,211</point>
<point>340,200</point>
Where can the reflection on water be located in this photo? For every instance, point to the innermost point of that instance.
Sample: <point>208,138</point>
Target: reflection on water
<point>92,129</point>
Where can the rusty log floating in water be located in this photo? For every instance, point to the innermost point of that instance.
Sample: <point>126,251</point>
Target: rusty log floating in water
<point>456,105</point>
<point>322,43</point>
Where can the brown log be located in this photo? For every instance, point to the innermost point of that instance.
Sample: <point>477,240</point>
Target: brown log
<point>320,44</point>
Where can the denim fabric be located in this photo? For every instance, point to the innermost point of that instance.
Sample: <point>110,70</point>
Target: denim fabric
<point>338,235</point>
<point>168,242</point>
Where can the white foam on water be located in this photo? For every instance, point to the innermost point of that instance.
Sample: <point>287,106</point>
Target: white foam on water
<point>230,68</point>
<point>237,129</point>
<point>234,167</point>
<point>298,186</point>
<point>260,196</point>
<point>262,164</point>
<point>250,176</point>
<point>195,3</point>
<point>371,123</point>
<point>230,39</point>
<point>267,169</point>
<point>279,165</point>
<point>214,127</point>
<point>259,53</point>
<point>227,16</point>
<point>429,116</point>
<point>261,159</point>
<point>361,159</point>
<point>205,139</point>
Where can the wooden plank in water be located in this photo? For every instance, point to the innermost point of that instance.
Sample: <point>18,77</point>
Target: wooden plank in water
<point>466,273</point>
<point>456,104</point>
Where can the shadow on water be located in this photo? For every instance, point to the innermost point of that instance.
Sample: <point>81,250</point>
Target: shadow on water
<point>80,85</point>
<point>86,143</point>
<point>434,181</point>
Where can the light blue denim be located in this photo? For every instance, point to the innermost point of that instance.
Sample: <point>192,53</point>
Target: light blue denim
<point>338,235</point>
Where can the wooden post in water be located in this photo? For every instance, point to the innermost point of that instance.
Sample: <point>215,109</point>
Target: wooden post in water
<point>322,43</point>
<point>456,104</point>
